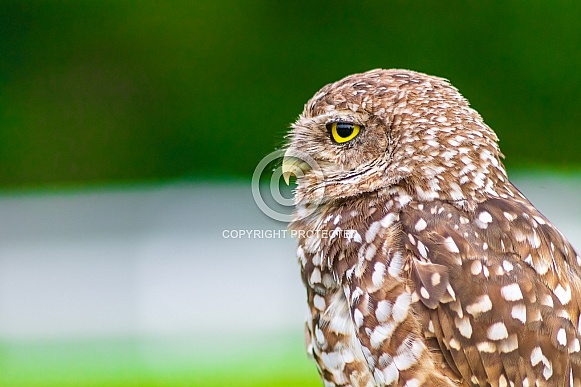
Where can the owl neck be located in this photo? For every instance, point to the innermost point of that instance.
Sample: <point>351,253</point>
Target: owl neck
<point>465,190</point>
<point>333,209</point>
<point>331,236</point>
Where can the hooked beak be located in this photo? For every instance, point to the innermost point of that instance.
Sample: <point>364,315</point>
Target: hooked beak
<point>292,165</point>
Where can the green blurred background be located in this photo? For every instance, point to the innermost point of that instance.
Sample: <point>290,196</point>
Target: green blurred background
<point>106,91</point>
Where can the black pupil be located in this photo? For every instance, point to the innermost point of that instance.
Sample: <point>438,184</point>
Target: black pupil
<point>344,130</point>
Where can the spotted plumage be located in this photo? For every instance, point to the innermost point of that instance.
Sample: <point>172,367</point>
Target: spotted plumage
<point>424,265</point>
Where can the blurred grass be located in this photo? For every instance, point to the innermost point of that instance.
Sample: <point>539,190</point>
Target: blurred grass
<point>124,362</point>
<point>133,90</point>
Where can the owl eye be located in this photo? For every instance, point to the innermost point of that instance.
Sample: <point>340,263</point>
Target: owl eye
<point>342,132</point>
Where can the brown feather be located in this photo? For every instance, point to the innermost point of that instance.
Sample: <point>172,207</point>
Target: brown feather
<point>423,264</point>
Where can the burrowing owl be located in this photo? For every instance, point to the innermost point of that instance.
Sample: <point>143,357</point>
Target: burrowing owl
<point>451,276</point>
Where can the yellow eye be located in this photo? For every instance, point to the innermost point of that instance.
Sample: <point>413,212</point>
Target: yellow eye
<point>342,132</point>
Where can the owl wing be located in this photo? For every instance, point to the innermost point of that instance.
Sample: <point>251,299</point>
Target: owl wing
<point>497,292</point>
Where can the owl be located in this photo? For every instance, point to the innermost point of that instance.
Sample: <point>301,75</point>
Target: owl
<point>423,264</point>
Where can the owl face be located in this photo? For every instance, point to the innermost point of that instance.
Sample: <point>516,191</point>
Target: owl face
<point>371,131</point>
<point>346,148</point>
<point>342,141</point>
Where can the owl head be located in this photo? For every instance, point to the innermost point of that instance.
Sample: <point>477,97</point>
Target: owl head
<point>381,129</point>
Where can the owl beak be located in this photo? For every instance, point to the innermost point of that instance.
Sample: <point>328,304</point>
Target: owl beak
<point>292,165</point>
